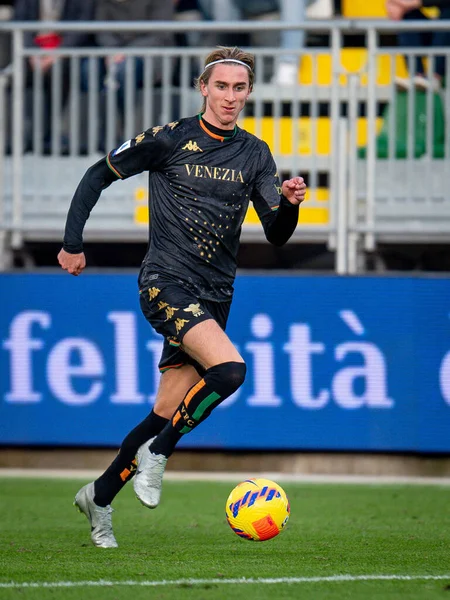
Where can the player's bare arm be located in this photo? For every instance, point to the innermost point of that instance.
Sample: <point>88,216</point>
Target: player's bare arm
<point>294,190</point>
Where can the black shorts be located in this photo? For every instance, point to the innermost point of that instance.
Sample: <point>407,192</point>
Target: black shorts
<point>172,311</point>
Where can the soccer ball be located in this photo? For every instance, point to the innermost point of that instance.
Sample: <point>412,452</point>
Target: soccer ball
<point>257,509</point>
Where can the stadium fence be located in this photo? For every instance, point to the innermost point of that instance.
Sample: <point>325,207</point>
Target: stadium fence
<point>376,159</point>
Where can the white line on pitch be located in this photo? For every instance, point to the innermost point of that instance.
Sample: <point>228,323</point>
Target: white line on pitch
<point>237,581</point>
<point>235,476</point>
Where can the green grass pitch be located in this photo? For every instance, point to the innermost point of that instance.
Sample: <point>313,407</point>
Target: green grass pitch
<point>361,531</point>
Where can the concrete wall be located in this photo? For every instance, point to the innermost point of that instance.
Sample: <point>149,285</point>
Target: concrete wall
<point>283,462</point>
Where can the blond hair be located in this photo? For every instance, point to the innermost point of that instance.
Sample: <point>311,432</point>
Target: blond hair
<point>223,53</point>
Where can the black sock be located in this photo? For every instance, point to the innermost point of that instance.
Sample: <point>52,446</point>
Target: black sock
<point>166,440</point>
<point>218,383</point>
<point>122,469</point>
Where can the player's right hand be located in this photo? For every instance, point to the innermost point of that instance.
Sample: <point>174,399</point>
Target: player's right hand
<point>72,263</point>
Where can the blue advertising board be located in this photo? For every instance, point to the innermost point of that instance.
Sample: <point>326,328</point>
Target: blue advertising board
<point>334,363</point>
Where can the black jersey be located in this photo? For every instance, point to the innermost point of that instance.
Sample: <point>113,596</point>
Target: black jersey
<point>200,185</point>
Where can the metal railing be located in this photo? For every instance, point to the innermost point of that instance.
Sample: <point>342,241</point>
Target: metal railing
<point>345,126</point>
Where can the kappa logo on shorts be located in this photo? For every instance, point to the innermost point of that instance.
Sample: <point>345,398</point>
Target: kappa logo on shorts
<point>192,146</point>
<point>194,309</point>
<point>170,311</point>
<point>180,323</point>
<point>153,292</point>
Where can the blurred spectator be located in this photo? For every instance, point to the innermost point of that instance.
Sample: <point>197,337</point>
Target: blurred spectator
<point>115,64</point>
<point>423,10</point>
<point>6,13</point>
<point>235,10</point>
<point>191,10</point>
<point>288,11</point>
<point>50,10</point>
<point>297,12</point>
<point>287,69</point>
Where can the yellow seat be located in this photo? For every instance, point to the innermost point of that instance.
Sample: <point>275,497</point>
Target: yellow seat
<point>313,135</point>
<point>376,9</point>
<point>314,212</point>
<point>317,68</point>
<point>364,9</point>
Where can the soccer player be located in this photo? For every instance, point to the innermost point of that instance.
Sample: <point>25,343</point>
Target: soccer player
<point>203,172</point>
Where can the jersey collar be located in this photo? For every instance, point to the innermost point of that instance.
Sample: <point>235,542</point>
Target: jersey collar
<point>215,135</point>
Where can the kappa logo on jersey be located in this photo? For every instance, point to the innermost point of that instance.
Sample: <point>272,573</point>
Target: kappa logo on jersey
<point>277,187</point>
<point>194,309</point>
<point>157,129</point>
<point>192,146</point>
<point>121,148</point>
<point>138,139</point>
<point>173,124</point>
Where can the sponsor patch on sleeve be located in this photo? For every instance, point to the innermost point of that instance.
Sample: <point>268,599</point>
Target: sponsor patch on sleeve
<point>121,148</point>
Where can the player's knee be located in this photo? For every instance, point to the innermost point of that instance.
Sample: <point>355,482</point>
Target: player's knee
<point>236,374</point>
<point>229,375</point>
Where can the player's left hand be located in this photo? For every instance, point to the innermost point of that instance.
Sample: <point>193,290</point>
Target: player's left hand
<point>294,190</point>
<point>72,263</point>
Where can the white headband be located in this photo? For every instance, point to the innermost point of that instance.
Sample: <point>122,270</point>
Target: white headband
<point>223,60</point>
